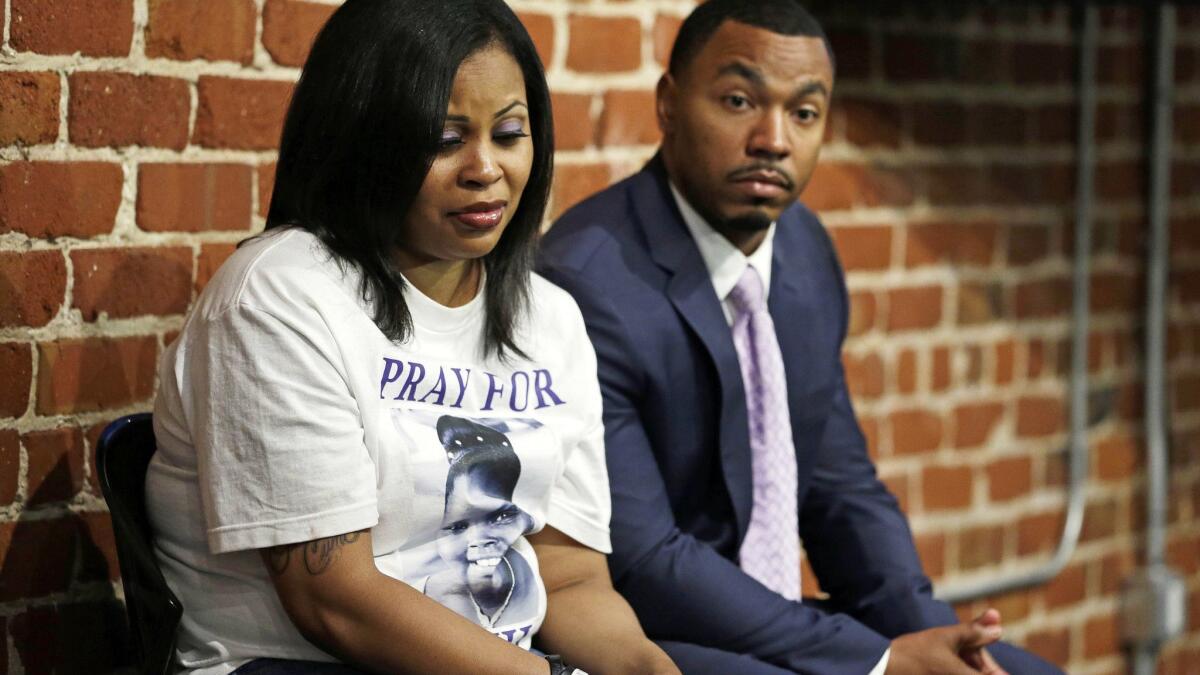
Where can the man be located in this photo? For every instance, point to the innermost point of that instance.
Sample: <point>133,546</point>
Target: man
<point>717,309</point>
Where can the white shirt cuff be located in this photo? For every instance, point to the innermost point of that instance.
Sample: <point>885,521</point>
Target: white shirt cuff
<point>882,665</point>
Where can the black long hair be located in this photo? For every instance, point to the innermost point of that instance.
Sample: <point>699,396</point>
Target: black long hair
<point>362,131</point>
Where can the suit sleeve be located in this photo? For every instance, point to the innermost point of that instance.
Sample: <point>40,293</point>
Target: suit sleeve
<point>857,539</point>
<point>680,588</point>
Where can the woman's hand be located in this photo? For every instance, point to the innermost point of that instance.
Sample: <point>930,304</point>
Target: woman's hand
<point>587,621</point>
<point>342,603</point>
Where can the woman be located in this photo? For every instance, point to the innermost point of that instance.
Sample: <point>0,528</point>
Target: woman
<point>302,487</point>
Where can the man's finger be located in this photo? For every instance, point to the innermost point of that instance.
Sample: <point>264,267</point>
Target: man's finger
<point>975,635</point>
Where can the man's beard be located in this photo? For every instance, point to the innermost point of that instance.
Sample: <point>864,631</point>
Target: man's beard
<point>754,221</point>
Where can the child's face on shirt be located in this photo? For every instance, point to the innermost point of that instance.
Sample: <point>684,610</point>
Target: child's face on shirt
<point>478,527</point>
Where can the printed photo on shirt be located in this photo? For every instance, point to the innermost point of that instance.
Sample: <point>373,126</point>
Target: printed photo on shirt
<point>478,562</point>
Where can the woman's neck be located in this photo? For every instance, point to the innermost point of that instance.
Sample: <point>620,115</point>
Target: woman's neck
<point>452,283</point>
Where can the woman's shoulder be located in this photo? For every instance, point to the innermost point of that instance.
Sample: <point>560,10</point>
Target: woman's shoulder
<point>286,265</point>
<point>552,304</point>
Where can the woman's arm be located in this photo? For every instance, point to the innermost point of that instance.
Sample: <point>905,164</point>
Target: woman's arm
<point>587,621</point>
<point>343,604</point>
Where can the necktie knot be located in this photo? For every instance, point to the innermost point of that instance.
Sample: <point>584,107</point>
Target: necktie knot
<point>747,295</point>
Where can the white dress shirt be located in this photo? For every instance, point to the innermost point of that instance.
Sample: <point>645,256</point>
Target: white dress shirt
<point>726,263</point>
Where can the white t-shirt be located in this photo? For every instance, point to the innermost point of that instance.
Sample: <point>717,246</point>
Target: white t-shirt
<point>284,415</point>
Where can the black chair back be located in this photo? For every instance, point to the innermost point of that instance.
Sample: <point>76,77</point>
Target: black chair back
<point>122,455</point>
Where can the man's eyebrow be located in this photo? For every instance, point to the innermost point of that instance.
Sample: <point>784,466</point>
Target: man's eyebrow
<point>743,71</point>
<point>498,113</point>
<point>813,87</point>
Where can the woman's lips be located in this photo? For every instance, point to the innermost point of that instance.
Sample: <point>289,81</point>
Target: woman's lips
<point>481,216</point>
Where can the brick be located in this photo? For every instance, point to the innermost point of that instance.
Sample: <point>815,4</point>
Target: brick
<point>942,375</point>
<point>1115,292</point>
<point>33,285</point>
<point>914,308</point>
<point>56,459</point>
<point>1005,362</point>
<point>1186,125</point>
<point>855,52</point>
<point>1039,416</point>
<point>38,557</point>
<point>1115,122</point>
<point>1100,520</point>
<point>213,30</point>
<point>1010,478</point>
<point>289,27</point>
<point>82,637</point>
<point>1054,124</point>
<point>126,282</point>
<point>1116,458</point>
<point>931,548</point>
<point>91,27</point>
<point>240,114</point>
<point>1038,533</point>
<point>1101,637</point>
<point>938,123</point>
<point>1013,606</point>
<point>575,182</point>
<point>985,62</point>
<point>980,303</point>
<point>603,44</point>
<point>864,375</point>
<point>666,27</point>
<point>1042,299</point>
<point>210,259</point>
<point>946,487</point>
<point>863,247</point>
<point>998,125</point>
<point>628,118</point>
<point>1115,568</point>
<point>863,310</point>
<point>1119,180</point>
<point>956,244</point>
<point>953,184</point>
<point>16,361</point>
<point>193,197</point>
<point>1028,244</point>
<point>10,465</point>
<point>975,423</point>
<point>869,123</point>
<point>54,199</point>
<point>1120,64</point>
<point>1068,588</point>
<point>910,58</point>
<point>117,109</point>
<point>1054,645</point>
<point>1186,392</point>
<point>541,31</point>
<point>980,547</point>
<point>573,125</point>
<point>28,107</point>
<point>915,431</point>
<point>266,186</point>
<point>82,375</point>
<point>1042,63</point>
<point>100,559</point>
<point>906,372</point>
<point>840,185</point>
<point>1183,554</point>
<point>870,430</point>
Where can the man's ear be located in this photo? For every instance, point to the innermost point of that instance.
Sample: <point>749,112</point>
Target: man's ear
<point>664,104</point>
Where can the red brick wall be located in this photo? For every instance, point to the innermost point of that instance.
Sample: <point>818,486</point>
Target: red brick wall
<point>136,148</point>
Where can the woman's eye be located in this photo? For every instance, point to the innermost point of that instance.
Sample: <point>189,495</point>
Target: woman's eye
<point>505,516</point>
<point>509,132</point>
<point>450,139</point>
<point>456,528</point>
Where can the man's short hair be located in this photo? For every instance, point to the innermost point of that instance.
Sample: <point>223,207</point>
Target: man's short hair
<point>785,17</point>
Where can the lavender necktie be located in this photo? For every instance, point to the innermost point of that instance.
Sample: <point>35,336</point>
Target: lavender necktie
<point>771,550</point>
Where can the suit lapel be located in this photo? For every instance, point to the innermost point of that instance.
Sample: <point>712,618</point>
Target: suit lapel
<point>691,293</point>
<point>792,308</point>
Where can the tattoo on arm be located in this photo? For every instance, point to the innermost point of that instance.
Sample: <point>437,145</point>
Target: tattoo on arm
<point>316,555</point>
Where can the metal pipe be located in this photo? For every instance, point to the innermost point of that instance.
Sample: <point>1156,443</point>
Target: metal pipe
<point>1154,598</point>
<point>1077,443</point>
<point>1156,289</point>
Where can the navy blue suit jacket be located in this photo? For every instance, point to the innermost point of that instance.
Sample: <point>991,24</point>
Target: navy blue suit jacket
<point>678,442</point>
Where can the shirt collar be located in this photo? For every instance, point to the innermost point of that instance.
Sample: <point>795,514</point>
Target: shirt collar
<point>725,262</point>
